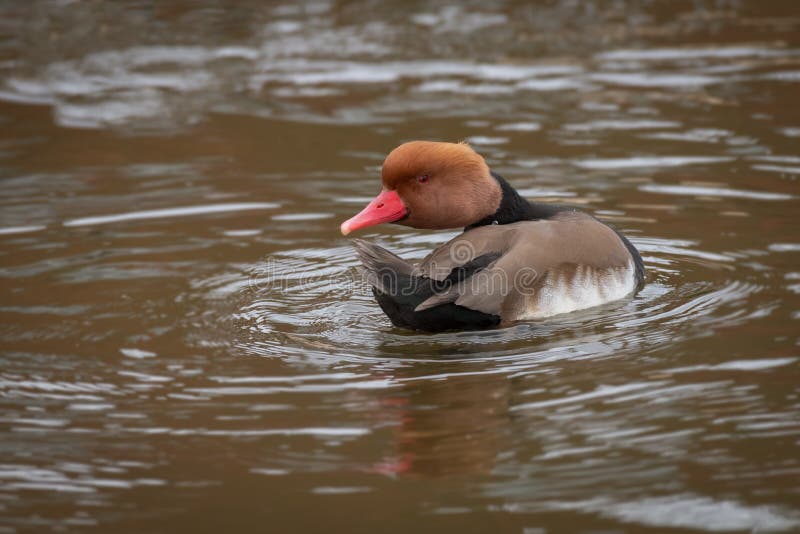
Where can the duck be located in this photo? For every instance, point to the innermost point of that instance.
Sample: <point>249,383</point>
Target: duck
<point>515,261</point>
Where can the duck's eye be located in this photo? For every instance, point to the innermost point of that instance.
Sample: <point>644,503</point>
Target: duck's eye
<point>422,178</point>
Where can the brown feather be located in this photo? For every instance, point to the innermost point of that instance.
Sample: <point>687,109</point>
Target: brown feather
<point>458,191</point>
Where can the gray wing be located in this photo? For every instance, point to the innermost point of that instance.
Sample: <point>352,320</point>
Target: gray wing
<point>481,252</point>
<point>463,249</point>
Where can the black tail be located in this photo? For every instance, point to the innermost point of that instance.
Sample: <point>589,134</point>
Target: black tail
<point>399,292</point>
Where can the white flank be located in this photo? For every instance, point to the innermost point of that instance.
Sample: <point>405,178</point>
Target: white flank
<point>589,287</point>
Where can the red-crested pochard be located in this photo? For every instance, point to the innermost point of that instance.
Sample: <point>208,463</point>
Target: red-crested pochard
<point>516,260</point>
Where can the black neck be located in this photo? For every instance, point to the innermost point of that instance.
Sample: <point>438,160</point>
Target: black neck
<point>514,208</point>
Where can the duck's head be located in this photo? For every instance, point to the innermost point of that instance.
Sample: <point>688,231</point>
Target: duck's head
<point>431,185</point>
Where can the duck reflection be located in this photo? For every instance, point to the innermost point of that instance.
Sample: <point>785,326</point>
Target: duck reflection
<point>448,423</point>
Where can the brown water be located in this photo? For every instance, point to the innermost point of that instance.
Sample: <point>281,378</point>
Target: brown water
<point>183,349</point>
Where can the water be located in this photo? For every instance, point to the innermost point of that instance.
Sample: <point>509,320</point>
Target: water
<point>185,346</point>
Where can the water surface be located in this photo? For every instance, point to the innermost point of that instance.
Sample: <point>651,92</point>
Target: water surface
<point>184,346</point>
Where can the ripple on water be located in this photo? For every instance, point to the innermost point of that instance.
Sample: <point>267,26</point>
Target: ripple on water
<point>183,211</point>
<point>299,310</point>
<point>691,190</point>
<point>178,85</point>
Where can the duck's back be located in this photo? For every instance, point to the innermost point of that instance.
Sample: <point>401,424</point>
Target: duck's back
<point>539,268</point>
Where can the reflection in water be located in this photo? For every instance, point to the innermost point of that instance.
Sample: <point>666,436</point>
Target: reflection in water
<point>447,423</point>
<point>185,340</point>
